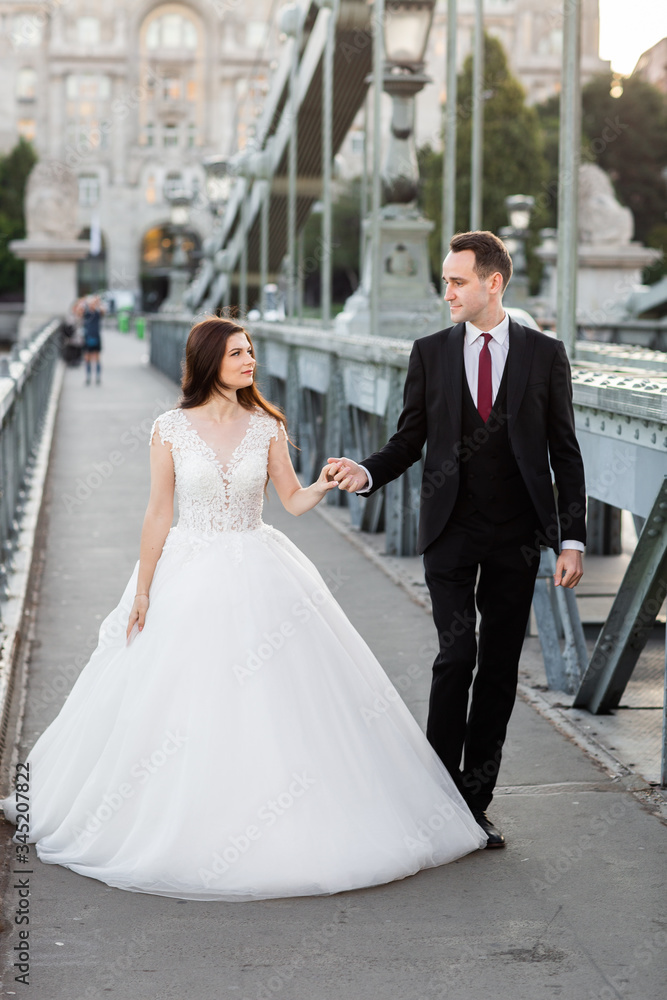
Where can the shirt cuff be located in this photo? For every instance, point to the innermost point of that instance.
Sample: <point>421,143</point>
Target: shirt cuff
<point>361,493</point>
<point>571,544</point>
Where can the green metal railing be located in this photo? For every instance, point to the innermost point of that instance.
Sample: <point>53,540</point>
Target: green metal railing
<point>25,384</point>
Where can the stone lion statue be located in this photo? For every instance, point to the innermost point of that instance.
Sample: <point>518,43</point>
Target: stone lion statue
<point>602,220</point>
<point>51,201</point>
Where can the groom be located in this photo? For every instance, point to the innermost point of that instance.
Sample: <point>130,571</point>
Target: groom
<point>492,401</point>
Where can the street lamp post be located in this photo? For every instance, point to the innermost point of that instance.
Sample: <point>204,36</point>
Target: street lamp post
<point>407,26</point>
<point>514,236</point>
<point>218,183</point>
<point>396,296</point>
<point>179,274</point>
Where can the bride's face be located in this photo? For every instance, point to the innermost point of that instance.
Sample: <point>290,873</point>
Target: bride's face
<point>238,365</point>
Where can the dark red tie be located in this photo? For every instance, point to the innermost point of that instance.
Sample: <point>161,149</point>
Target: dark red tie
<point>484,384</point>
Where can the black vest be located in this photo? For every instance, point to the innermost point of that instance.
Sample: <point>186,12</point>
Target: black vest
<point>490,481</point>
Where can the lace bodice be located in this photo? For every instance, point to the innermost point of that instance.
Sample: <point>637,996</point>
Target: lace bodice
<point>211,497</point>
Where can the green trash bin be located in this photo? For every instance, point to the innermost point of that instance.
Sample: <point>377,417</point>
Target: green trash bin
<point>123,322</point>
<point>140,327</point>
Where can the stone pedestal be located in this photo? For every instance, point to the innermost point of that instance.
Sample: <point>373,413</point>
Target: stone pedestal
<point>50,279</point>
<point>409,304</point>
<point>179,280</point>
<point>606,276</point>
<point>610,263</point>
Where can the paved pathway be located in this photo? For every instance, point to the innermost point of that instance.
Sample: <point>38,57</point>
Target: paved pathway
<point>574,908</point>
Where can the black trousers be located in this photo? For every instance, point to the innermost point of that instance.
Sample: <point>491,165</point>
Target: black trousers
<point>470,545</point>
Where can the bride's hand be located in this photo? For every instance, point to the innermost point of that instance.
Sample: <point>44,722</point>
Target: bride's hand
<point>137,614</point>
<point>325,480</point>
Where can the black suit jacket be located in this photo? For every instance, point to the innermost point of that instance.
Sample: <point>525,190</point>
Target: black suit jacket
<point>540,424</point>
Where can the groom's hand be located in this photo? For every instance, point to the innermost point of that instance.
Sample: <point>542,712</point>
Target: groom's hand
<point>569,568</point>
<point>349,475</point>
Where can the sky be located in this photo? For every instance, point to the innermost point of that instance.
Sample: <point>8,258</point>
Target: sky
<point>629,28</point>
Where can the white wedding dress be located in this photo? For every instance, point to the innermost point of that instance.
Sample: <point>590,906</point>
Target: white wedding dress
<point>246,744</point>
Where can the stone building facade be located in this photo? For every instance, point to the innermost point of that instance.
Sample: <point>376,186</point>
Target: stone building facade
<point>132,96</point>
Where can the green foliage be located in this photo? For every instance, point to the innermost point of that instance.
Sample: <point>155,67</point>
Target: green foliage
<point>15,167</point>
<point>514,160</point>
<point>627,137</point>
<point>346,230</point>
<point>549,118</point>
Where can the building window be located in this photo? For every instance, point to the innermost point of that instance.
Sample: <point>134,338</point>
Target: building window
<point>149,134</point>
<point>171,31</point>
<point>170,135</point>
<point>26,31</point>
<point>88,87</point>
<point>192,90</point>
<point>87,107</point>
<point>26,128</point>
<point>192,135</point>
<point>171,88</point>
<point>151,195</point>
<point>26,84</point>
<point>88,31</point>
<point>173,182</point>
<point>89,190</point>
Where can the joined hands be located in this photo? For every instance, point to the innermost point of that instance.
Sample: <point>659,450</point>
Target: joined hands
<point>348,475</point>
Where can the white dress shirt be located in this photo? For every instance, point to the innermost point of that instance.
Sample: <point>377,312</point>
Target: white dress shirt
<point>499,346</point>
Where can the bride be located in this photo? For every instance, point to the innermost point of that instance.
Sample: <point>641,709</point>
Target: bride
<point>224,740</point>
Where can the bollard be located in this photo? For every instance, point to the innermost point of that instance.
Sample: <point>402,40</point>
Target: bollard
<point>123,321</point>
<point>140,326</point>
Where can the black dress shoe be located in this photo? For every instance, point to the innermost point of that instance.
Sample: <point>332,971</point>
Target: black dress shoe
<point>493,835</point>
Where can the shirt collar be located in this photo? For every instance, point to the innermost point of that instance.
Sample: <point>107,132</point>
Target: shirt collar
<point>499,333</point>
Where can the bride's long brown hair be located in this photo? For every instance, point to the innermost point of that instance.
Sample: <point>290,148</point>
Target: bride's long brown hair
<point>205,348</point>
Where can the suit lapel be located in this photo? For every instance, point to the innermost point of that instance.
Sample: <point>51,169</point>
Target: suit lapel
<point>518,368</point>
<point>452,351</point>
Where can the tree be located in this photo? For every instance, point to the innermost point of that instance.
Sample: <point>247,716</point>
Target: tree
<point>513,149</point>
<point>346,229</point>
<point>626,136</point>
<point>15,167</point>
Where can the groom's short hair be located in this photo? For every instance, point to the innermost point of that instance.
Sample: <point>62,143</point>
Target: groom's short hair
<point>490,252</point>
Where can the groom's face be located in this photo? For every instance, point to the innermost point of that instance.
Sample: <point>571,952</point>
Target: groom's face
<point>468,297</point>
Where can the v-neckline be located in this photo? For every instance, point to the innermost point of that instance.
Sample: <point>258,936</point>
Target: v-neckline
<point>224,471</point>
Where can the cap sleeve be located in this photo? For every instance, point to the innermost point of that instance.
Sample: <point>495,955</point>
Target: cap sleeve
<point>168,426</point>
<point>278,429</point>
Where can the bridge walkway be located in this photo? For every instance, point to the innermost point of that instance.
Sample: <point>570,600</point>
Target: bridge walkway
<point>570,908</point>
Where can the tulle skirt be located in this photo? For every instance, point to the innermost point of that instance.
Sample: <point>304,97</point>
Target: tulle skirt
<point>246,744</point>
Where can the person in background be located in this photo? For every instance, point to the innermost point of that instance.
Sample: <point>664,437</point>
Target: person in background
<point>91,312</point>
